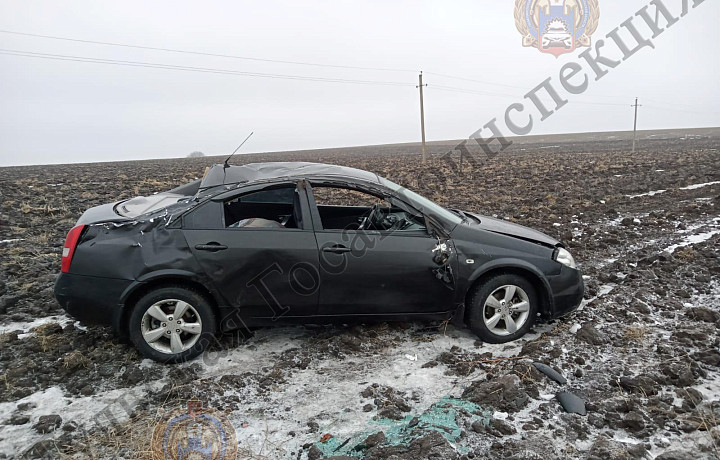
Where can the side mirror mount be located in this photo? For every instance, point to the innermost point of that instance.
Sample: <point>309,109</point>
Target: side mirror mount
<point>435,228</point>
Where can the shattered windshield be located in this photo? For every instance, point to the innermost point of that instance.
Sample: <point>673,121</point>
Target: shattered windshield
<point>422,203</point>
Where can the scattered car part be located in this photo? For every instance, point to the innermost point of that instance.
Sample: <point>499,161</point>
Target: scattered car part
<point>551,373</point>
<point>571,403</point>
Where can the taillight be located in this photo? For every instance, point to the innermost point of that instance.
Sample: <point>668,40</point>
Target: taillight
<point>71,242</point>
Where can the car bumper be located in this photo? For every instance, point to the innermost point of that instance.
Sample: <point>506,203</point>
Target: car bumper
<point>567,290</point>
<point>91,299</point>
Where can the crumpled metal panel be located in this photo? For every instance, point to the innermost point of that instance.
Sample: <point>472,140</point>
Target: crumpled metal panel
<point>220,175</point>
<point>132,249</point>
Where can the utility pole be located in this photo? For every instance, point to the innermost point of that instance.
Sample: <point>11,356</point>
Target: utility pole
<point>422,119</point>
<point>635,126</point>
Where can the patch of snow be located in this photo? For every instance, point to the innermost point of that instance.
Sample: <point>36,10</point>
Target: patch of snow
<point>691,228</point>
<point>625,439</point>
<point>13,240</point>
<point>86,411</point>
<point>25,327</point>
<point>147,364</point>
<point>616,222</point>
<point>692,239</point>
<point>651,193</point>
<point>328,390</point>
<point>603,290</point>
<point>697,186</point>
<point>710,389</point>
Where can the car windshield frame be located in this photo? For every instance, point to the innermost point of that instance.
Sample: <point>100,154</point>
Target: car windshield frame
<point>421,203</point>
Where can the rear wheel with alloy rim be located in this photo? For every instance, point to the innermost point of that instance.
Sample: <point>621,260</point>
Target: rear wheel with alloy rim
<point>503,308</point>
<point>172,324</point>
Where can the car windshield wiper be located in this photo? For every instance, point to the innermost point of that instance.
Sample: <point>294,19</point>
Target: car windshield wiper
<point>472,217</point>
<point>460,214</point>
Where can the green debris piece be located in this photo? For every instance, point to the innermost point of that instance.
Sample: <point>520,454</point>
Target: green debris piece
<point>440,417</point>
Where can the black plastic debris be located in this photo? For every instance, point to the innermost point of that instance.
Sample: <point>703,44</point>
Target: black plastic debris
<point>551,373</point>
<point>571,403</point>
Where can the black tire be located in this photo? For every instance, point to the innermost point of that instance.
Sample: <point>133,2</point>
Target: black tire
<point>199,312</point>
<point>477,313</point>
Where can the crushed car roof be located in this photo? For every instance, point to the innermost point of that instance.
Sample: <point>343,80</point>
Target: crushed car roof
<point>220,175</point>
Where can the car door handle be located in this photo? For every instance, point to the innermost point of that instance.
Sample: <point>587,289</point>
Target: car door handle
<point>336,249</point>
<point>212,247</point>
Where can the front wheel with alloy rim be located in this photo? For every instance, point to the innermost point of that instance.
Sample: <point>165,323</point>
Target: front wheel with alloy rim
<point>503,308</point>
<point>172,324</point>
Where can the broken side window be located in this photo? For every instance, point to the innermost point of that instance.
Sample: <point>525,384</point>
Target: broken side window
<point>273,208</point>
<point>349,209</point>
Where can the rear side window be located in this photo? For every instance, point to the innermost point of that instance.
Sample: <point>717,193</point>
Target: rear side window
<point>207,216</point>
<point>273,196</point>
<point>275,208</point>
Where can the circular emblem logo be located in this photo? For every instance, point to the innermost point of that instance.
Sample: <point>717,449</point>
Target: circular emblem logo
<point>194,434</point>
<point>556,26</point>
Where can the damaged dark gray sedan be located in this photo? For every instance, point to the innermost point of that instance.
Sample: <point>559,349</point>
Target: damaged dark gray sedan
<point>264,243</point>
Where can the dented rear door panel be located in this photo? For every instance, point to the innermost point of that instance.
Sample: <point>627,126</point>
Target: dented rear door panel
<point>131,250</point>
<point>265,273</point>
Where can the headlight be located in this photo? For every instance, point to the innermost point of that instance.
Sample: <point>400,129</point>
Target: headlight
<point>564,257</point>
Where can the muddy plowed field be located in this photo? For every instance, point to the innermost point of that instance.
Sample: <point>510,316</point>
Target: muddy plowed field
<point>643,350</point>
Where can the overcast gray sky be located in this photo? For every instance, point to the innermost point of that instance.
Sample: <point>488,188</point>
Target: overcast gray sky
<point>64,111</point>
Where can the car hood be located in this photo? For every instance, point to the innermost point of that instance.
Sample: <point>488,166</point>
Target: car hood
<point>508,228</point>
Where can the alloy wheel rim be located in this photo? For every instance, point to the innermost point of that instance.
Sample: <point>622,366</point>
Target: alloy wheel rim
<point>171,326</point>
<point>506,310</point>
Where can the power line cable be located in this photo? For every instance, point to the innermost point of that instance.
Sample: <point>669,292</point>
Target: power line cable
<point>597,103</point>
<point>277,76</point>
<point>666,104</point>
<point>672,109</point>
<point>199,53</point>
<point>62,57</point>
<point>675,106</point>
<point>610,104</point>
<point>469,91</point>
<point>482,93</point>
<point>473,80</point>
